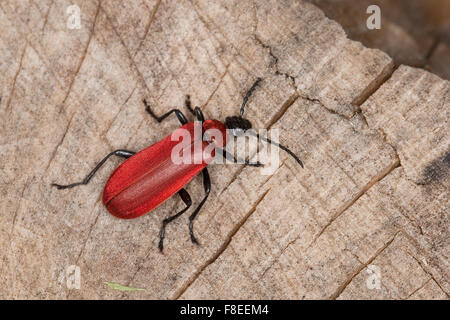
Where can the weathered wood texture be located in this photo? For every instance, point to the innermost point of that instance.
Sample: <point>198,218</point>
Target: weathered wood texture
<point>374,191</point>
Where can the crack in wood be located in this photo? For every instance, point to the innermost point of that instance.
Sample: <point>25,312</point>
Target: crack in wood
<point>17,211</point>
<point>8,103</point>
<point>147,254</point>
<point>358,270</point>
<point>362,97</point>
<point>352,201</point>
<point>385,139</point>
<point>88,236</point>
<point>275,60</point>
<point>419,288</point>
<point>120,109</point>
<point>59,143</point>
<point>147,27</point>
<point>318,101</point>
<point>217,87</point>
<point>346,206</point>
<point>326,136</point>
<point>375,84</point>
<point>284,108</point>
<point>287,104</point>
<point>213,34</point>
<point>131,57</point>
<point>47,15</point>
<point>424,268</point>
<point>80,63</point>
<point>30,44</point>
<point>222,248</point>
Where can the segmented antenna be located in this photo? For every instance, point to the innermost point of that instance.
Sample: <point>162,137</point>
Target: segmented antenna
<point>249,93</point>
<point>277,145</point>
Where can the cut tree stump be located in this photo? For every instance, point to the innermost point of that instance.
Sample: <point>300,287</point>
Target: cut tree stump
<point>366,218</point>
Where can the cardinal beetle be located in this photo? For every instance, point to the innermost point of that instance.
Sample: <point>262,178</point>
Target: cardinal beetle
<point>149,177</point>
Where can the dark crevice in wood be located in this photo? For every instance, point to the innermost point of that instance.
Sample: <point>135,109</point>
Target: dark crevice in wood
<point>80,63</point>
<point>275,60</point>
<point>17,211</point>
<point>47,15</point>
<point>315,100</point>
<point>373,87</point>
<point>425,269</point>
<point>418,289</point>
<point>52,157</point>
<point>376,179</point>
<point>8,103</point>
<point>284,108</point>
<point>352,201</point>
<point>80,254</point>
<point>227,241</point>
<point>342,287</point>
<point>147,27</point>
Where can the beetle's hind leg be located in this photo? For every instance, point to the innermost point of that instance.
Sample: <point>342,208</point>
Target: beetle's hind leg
<point>181,117</point>
<point>120,153</point>
<point>187,200</point>
<point>207,187</point>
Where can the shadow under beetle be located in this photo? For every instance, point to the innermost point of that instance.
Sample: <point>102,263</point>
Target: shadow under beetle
<point>149,177</point>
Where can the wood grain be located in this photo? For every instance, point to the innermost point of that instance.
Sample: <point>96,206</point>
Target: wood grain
<point>374,189</point>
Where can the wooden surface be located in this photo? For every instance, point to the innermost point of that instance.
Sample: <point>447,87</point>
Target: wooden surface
<point>375,143</point>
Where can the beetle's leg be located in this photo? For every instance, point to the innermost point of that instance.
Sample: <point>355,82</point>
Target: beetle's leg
<point>187,103</point>
<point>230,157</point>
<point>197,112</point>
<point>207,187</point>
<point>187,200</point>
<point>181,117</point>
<point>120,153</point>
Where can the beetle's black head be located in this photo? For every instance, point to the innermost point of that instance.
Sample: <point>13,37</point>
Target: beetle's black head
<point>237,125</point>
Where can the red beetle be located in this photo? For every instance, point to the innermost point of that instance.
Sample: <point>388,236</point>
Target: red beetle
<point>148,178</point>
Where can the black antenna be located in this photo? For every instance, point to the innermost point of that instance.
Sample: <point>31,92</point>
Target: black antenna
<point>248,94</point>
<point>276,144</point>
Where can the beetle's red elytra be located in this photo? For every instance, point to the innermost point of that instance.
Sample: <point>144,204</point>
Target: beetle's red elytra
<point>149,177</point>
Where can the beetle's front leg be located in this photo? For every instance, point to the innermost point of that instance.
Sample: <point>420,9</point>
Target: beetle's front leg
<point>197,112</point>
<point>181,117</point>
<point>120,153</point>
